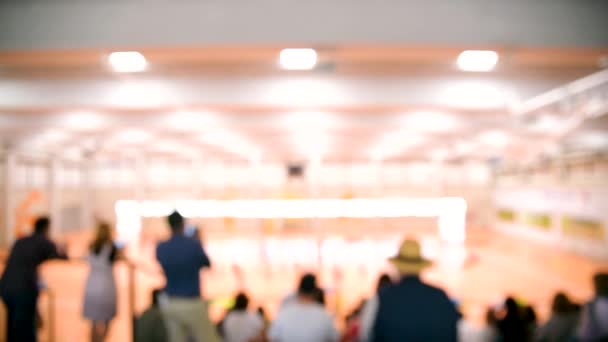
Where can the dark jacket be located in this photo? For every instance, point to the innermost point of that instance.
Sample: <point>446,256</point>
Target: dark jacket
<point>21,272</point>
<point>414,311</point>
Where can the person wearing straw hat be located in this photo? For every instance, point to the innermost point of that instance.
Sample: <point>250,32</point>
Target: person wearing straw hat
<point>410,310</point>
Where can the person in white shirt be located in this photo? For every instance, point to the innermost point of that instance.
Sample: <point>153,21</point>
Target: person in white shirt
<point>303,320</point>
<point>241,325</point>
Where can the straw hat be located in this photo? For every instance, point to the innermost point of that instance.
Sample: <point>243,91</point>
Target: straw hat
<point>409,259</point>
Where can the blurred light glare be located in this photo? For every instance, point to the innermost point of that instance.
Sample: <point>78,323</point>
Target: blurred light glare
<point>83,121</point>
<point>476,95</point>
<point>298,59</point>
<point>132,136</point>
<point>308,120</point>
<point>128,61</point>
<point>494,138</point>
<point>477,60</point>
<point>431,122</point>
<point>191,121</point>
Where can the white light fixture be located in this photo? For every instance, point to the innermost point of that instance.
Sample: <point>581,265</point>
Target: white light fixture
<point>128,61</point>
<point>494,138</point>
<point>312,144</point>
<point>303,120</point>
<point>393,144</point>
<point>298,59</point>
<point>477,60</point>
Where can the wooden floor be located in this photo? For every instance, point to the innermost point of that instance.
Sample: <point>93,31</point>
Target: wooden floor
<point>477,275</point>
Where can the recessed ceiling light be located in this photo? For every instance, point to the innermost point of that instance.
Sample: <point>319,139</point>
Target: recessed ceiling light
<point>128,61</point>
<point>298,59</point>
<point>477,60</point>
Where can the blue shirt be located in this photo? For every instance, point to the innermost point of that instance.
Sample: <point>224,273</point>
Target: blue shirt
<point>182,258</point>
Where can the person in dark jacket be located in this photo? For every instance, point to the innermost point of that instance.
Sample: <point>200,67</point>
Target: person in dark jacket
<point>411,310</point>
<point>150,326</point>
<point>19,286</point>
<point>513,326</point>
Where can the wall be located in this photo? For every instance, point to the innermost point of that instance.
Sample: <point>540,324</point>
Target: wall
<point>562,205</point>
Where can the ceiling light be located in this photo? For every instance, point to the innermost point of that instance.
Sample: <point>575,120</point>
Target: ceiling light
<point>128,61</point>
<point>298,59</point>
<point>477,60</point>
<point>430,122</point>
<point>494,138</point>
<point>132,136</point>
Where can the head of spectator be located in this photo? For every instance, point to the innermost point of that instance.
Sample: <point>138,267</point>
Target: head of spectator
<point>600,282</point>
<point>176,223</point>
<point>42,226</point>
<point>320,296</point>
<point>308,290</point>
<point>103,236</point>
<point>561,304</point>
<point>409,261</point>
<point>383,282</point>
<point>241,302</point>
<point>529,315</point>
<point>512,309</point>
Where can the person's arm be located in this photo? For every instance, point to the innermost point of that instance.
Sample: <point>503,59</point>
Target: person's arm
<point>368,317</point>
<point>50,251</point>
<point>203,258</point>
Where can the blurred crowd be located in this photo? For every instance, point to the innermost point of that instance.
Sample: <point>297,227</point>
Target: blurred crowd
<point>403,308</point>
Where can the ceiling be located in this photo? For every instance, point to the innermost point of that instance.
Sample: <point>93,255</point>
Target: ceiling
<point>362,103</point>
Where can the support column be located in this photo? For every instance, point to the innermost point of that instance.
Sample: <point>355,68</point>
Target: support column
<point>55,196</point>
<point>8,213</point>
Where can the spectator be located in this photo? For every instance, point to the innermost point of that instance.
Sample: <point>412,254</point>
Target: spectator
<point>19,283</point>
<point>241,325</point>
<point>594,320</point>
<point>353,321</point>
<point>320,296</point>
<point>512,327</point>
<point>308,279</point>
<point>100,290</point>
<point>410,310</point>
<point>150,326</point>
<point>181,259</point>
<point>304,319</point>
<point>383,282</point>
<point>561,326</point>
<point>531,321</point>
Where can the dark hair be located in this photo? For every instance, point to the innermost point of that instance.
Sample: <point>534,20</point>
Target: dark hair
<point>529,315</point>
<point>512,307</point>
<point>383,282</point>
<point>176,221</point>
<point>241,302</point>
<point>103,235</point>
<point>41,226</point>
<point>319,296</point>
<point>561,303</point>
<point>308,284</point>
<point>600,282</point>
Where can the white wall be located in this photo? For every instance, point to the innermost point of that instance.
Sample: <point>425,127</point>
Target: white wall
<point>44,24</point>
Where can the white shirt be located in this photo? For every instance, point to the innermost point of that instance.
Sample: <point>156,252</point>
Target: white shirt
<point>303,322</point>
<point>242,326</point>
